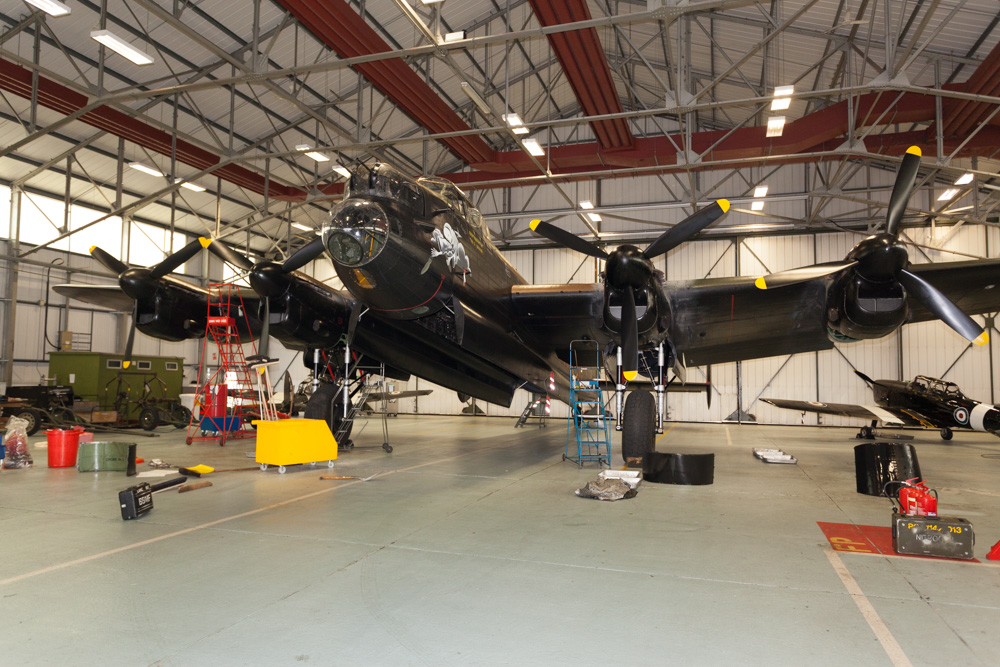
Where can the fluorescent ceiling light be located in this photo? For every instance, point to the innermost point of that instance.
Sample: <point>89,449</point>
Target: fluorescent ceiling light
<point>757,206</point>
<point>532,146</point>
<point>431,2</point>
<point>316,155</point>
<point>343,171</point>
<point>948,194</point>
<point>145,169</point>
<point>298,225</point>
<point>760,191</point>
<point>782,99</point>
<point>476,98</point>
<point>775,126</point>
<point>189,185</point>
<point>594,217</point>
<point>120,46</point>
<point>964,179</point>
<point>50,7</point>
<point>454,36</point>
<point>587,204</point>
<point>514,121</point>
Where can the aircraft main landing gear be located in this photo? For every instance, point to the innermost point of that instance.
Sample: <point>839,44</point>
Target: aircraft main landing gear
<point>946,433</point>
<point>639,425</point>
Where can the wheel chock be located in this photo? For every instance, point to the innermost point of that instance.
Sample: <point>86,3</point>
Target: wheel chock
<point>994,553</point>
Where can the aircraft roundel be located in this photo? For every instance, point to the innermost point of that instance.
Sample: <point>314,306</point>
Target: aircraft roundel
<point>817,404</point>
<point>961,415</point>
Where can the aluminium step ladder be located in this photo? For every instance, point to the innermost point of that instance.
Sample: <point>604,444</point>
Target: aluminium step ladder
<point>588,437</point>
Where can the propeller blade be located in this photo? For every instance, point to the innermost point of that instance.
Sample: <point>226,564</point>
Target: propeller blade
<point>456,306</point>
<point>630,337</point>
<point>708,387</point>
<point>226,254</point>
<point>900,197</point>
<point>940,305</point>
<point>127,361</point>
<point>265,329</point>
<point>801,275</point>
<point>304,255</point>
<point>686,228</point>
<point>567,240</point>
<point>113,264</point>
<point>870,382</point>
<point>176,260</point>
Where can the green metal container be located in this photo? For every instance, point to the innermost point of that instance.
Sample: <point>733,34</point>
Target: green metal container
<point>99,377</point>
<point>101,456</point>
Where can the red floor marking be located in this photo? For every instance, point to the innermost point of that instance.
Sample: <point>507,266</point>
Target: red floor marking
<point>868,540</point>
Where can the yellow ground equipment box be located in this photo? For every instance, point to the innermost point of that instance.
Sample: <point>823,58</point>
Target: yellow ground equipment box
<point>289,442</point>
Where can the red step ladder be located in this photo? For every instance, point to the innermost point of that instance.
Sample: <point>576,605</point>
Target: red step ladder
<point>226,402</point>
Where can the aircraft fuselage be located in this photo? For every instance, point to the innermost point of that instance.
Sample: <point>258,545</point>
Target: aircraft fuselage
<point>936,404</point>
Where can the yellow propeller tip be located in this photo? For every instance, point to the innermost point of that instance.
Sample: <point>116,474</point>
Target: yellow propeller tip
<point>982,339</point>
<point>92,249</point>
<point>759,283</point>
<point>534,224</point>
<point>723,204</point>
<point>126,364</point>
<point>630,375</point>
<point>914,150</point>
<point>205,242</point>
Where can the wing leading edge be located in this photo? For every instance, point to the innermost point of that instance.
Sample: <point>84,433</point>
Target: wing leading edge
<point>887,416</point>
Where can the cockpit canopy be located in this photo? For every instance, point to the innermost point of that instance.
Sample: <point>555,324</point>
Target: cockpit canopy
<point>934,386</point>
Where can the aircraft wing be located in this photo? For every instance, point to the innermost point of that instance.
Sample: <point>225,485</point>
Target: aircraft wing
<point>727,319</point>
<point>973,286</point>
<point>392,395</point>
<point>558,314</point>
<point>107,296</point>
<point>889,416</point>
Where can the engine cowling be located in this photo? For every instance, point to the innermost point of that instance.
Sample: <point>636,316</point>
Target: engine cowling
<point>859,308</point>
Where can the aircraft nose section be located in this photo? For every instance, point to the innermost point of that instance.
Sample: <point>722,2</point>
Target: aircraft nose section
<point>356,233</point>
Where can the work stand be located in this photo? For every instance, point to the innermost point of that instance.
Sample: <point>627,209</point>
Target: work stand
<point>588,437</point>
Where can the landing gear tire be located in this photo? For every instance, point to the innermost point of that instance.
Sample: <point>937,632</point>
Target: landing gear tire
<point>639,425</point>
<point>946,433</point>
<point>149,419</point>
<point>866,433</point>
<point>181,416</point>
<point>33,420</point>
<point>322,405</point>
<point>387,447</point>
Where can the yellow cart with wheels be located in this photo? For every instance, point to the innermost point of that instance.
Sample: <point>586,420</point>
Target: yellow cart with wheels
<point>289,442</point>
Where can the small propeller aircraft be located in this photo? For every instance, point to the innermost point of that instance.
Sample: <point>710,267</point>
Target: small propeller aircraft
<point>923,401</point>
<point>428,294</point>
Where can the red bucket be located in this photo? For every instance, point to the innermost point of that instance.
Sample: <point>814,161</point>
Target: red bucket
<point>62,447</point>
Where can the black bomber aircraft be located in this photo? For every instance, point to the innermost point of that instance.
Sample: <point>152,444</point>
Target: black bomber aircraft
<point>923,401</point>
<point>429,294</point>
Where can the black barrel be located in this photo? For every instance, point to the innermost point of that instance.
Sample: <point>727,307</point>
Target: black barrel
<point>877,463</point>
<point>669,468</point>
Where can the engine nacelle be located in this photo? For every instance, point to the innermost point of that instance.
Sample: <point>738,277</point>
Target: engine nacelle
<point>171,316</point>
<point>298,326</point>
<point>860,309</point>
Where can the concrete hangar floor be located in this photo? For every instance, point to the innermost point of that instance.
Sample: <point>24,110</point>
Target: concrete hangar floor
<point>470,548</point>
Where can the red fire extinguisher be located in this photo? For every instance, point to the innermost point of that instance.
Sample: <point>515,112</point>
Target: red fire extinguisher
<point>915,499</point>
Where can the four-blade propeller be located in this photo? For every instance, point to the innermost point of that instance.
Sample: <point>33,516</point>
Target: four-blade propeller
<point>882,259</point>
<point>627,268</point>
<point>141,283</point>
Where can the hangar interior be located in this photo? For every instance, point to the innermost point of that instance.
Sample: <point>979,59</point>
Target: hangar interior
<point>614,120</point>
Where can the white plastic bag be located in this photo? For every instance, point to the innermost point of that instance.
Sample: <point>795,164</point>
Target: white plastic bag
<point>16,444</point>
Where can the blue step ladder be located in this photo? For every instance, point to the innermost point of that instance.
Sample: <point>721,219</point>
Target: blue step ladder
<point>588,437</point>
